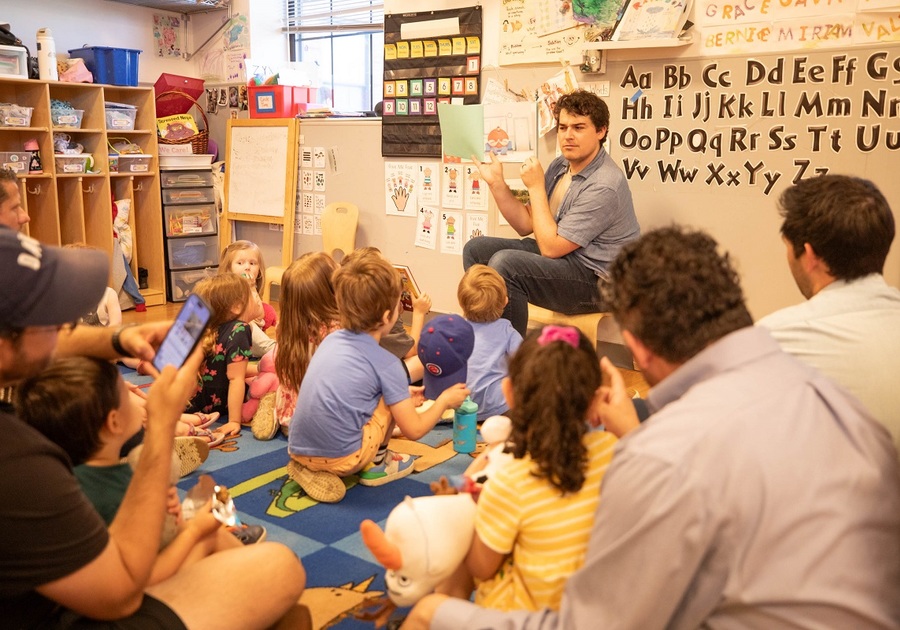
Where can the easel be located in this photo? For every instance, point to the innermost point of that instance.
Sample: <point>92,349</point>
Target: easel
<point>256,188</point>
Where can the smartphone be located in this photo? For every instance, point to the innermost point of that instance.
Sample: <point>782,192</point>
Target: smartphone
<point>185,333</point>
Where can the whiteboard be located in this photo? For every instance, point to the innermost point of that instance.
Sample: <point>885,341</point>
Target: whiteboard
<point>261,177</point>
<point>256,159</point>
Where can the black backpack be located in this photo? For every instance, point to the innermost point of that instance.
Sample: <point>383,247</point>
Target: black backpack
<point>8,39</point>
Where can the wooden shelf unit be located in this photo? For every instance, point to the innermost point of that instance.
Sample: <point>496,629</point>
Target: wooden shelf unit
<point>77,207</point>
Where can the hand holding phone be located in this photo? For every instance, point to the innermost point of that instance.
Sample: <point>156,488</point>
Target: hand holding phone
<point>185,333</point>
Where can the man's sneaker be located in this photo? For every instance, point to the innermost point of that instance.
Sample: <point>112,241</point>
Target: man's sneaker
<point>394,466</point>
<point>248,534</point>
<point>319,485</point>
<point>264,424</point>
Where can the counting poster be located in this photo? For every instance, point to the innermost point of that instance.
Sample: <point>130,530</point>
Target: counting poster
<point>430,57</point>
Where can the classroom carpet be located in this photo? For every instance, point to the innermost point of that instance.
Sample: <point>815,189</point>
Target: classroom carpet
<point>343,579</point>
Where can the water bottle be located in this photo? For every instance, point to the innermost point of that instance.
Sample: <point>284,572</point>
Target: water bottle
<point>465,426</point>
<point>46,50</point>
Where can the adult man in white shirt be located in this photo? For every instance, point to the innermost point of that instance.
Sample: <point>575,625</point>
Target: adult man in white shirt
<point>838,231</point>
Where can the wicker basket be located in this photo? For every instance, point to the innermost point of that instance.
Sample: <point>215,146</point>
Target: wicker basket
<point>198,141</point>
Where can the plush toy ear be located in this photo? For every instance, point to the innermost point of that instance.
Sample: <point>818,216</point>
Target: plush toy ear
<point>387,553</point>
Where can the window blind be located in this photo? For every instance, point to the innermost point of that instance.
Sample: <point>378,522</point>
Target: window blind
<point>333,16</point>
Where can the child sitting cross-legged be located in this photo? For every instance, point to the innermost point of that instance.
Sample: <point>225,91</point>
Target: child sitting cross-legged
<point>84,406</point>
<point>355,391</point>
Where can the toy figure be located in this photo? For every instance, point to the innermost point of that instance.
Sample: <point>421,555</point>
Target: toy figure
<point>265,383</point>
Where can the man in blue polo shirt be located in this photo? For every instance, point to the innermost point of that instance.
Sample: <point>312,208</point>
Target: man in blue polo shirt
<point>579,212</point>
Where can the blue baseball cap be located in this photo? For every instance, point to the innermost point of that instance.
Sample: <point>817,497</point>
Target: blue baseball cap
<point>444,348</point>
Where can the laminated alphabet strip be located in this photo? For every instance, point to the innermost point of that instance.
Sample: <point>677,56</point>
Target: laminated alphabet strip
<point>430,57</point>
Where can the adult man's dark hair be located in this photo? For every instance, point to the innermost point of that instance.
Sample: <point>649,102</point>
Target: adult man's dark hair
<point>6,175</point>
<point>846,220</point>
<point>673,291</point>
<point>584,103</point>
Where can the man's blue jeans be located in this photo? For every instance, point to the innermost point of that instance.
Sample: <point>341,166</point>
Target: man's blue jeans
<point>558,284</point>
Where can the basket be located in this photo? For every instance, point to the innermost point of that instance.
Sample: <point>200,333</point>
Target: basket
<point>198,141</point>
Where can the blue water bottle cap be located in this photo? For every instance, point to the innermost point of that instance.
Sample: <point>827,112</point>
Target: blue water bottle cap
<point>468,406</point>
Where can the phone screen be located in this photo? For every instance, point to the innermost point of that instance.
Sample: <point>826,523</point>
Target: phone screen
<point>184,334</point>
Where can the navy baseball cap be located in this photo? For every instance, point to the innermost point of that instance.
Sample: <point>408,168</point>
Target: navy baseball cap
<point>47,286</point>
<point>444,348</point>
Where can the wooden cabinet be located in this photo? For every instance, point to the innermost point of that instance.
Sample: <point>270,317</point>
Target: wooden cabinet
<point>70,207</point>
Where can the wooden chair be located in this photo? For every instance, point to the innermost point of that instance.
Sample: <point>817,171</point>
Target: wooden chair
<point>600,328</point>
<point>273,276</point>
<point>339,222</point>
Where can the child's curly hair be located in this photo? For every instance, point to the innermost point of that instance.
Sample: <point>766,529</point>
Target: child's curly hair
<point>553,385</point>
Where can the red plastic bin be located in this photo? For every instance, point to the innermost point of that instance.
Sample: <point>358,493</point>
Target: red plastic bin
<point>278,101</point>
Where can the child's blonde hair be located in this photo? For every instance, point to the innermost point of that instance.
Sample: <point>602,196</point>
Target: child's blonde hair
<point>365,288</point>
<point>482,294</point>
<point>308,309</point>
<point>360,253</point>
<point>231,252</point>
<point>554,375</point>
<point>227,295</point>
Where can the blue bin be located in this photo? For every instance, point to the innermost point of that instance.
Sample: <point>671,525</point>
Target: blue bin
<point>113,66</point>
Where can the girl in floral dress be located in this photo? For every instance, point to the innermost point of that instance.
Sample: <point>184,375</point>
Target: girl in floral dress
<point>227,346</point>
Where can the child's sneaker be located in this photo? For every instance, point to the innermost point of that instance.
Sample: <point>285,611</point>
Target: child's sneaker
<point>321,486</point>
<point>394,466</point>
<point>264,424</point>
<point>248,534</point>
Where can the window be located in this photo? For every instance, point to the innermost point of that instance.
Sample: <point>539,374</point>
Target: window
<point>344,41</point>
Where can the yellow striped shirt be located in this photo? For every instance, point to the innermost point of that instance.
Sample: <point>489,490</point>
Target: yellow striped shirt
<point>545,533</point>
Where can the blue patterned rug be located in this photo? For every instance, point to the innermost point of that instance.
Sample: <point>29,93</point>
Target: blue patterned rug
<point>342,576</point>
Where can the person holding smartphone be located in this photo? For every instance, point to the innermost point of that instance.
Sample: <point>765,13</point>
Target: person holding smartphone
<point>59,564</point>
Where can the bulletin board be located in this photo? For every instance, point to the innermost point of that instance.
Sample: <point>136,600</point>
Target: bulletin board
<point>430,57</point>
<point>261,176</point>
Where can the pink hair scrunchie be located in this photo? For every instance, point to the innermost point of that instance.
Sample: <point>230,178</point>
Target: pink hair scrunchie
<point>552,333</point>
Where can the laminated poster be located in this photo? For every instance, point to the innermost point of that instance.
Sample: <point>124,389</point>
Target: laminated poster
<point>451,232</point>
<point>429,181</point>
<point>400,188</point>
<point>476,190</point>
<point>452,186</point>
<point>426,227</point>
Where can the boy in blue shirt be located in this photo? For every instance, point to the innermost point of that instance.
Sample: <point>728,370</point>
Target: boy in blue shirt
<point>482,298</point>
<point>355,392</point>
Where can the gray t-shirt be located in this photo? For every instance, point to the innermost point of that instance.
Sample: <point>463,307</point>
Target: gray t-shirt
<point>597,212</point>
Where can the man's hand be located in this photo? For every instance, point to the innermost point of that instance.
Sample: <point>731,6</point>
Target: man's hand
<point>142,341</point>
<point>532,173</point>
<point>491,173</point>
<point>612,406</point>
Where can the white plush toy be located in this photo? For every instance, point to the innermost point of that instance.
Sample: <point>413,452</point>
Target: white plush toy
<point>424,540</point>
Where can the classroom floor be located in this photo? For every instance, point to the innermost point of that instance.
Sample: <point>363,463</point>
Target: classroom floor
<point>634,381</point>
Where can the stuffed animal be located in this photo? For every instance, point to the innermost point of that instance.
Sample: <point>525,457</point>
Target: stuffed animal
<point>266,382</point>
<point>424,540</point>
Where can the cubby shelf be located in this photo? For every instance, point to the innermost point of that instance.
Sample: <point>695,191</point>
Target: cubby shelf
<point>77,207</point>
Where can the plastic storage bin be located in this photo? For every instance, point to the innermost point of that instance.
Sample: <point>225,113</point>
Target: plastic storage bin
<point>115,66</point>
<point>70,119</point>
<point>193,252</point>
<point>182,283</point>
<point>189,220</point>
<point>120,119</point>
<point>194,195</point>
<point>15,160</point>
<point>133,163</point>
<point>78,163</point>
<point>15,116</point>
<point>190,179</point>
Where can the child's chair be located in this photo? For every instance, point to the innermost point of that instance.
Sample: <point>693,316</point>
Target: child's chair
<point>339,223</point>
<point>273,276</point>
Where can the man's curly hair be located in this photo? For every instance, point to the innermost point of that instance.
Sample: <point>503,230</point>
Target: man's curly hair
<point>673,291</point>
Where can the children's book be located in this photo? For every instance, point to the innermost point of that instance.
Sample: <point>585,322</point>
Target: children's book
<point>409,290</point>
<point>651,19</point>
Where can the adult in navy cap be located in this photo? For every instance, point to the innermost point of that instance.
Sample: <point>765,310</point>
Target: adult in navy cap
<point>59,565</point>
